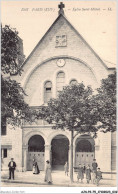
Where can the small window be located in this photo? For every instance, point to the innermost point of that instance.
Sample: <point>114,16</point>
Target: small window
<point>60,81</point>
<point>3,126</point>
<point>5,153</point>
<point>47,91</point>
<point>72,82</point>
<point>3,130</point>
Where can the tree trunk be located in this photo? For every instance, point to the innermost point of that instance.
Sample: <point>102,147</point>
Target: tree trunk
<point>71,165</point>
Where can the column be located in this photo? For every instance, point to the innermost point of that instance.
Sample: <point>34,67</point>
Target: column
<point>47,153</point>
<point>2,158</point>
<point>69,157</point>
<point>1,153</point>
<point>73,156</point>
<point>25,151</point>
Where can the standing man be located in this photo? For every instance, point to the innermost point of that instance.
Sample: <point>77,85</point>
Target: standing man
<point>94,165</point>
<point>12,166</point>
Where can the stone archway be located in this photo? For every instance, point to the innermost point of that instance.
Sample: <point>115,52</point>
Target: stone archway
<point>84,150</point>
<point>59,152</point>
<point>36,150</point>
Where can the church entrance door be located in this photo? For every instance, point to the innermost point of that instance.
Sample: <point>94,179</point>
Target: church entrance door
<point>36,151</point>
<point>84,153</point>
<point>60,148</point>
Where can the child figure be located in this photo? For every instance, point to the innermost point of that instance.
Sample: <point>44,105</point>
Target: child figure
<point>93,176</point>
<point>98,176</point>
<point>66,168</point>
<point>80,173</point>
<point>84,170</point>
<point>88,174</point>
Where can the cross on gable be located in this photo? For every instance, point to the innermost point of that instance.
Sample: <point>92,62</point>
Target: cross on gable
<point>61,5</point>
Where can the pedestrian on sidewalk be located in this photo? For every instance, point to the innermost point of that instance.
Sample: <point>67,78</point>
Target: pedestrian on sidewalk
<point>98,176</point>
<point>84,168</point>
<point>94,165</point>
<point>12,166</point>
<point>35,167</point>
<point>66,168</point>
<point>88,174</point>
<point>80,173</point>
<point>93,176</point>
<point>48,176</point>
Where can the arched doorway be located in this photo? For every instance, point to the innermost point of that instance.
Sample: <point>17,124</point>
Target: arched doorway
<point>84,150</point>
<point>59,152</point>
<point>36,150</point>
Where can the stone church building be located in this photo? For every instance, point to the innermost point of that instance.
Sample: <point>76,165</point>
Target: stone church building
<point>60,58</point>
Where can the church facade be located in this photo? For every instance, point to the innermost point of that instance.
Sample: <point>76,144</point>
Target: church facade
<point>61,57</point>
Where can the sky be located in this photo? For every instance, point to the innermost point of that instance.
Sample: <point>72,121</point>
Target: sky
<point>94,20</point>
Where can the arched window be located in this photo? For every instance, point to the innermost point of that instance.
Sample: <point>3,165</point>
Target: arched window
<point>73,81</point>
<point>47,91</point>
<point>60,81</point>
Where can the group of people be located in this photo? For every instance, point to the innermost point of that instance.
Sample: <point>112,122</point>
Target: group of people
<point>48,176</point>
<point>35,168</point>
<point>94,175</point>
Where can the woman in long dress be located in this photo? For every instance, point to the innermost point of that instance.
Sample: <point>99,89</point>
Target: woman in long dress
<point>80,173</point>
<point>35,167</point>
<point>66,168</point>
<point>48,176</point>
<point>88,174</point>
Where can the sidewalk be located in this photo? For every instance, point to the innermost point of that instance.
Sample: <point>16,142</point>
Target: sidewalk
<point>58,177</point>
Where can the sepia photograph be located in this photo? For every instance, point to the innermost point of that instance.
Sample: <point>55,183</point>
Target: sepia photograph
<point>58,96</point>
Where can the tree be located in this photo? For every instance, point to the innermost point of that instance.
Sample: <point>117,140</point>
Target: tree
<point>13,105</point>
<point>73,111</point>
<point>105,103</point>
<point>12,56</point>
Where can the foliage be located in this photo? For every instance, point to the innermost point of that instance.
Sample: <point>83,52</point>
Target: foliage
<point>105,103</point>
<point>11,52</point>
<point>76,108</point>
<point>13,106</point>
<point>72,110</point>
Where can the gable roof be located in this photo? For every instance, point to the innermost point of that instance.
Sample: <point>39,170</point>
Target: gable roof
<point>61,15</point>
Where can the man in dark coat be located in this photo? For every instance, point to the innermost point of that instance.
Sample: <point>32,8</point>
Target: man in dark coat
<point>12,166</point>
<point>94,165</point>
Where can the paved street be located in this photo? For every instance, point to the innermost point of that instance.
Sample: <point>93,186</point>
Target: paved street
<point>27,179</point>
